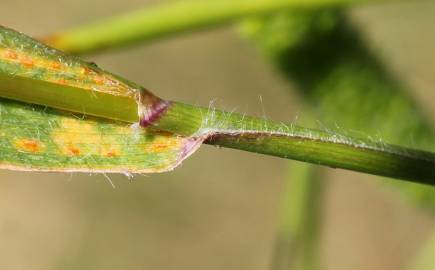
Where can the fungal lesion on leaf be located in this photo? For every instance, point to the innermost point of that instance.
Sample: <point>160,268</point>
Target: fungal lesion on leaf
<point>29,145</point>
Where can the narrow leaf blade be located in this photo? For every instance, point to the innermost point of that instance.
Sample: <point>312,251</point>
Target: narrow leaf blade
<point>37,138</point>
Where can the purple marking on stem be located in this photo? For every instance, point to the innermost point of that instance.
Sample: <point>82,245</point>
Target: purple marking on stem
<point>151,108</point>
<point>153,114</point>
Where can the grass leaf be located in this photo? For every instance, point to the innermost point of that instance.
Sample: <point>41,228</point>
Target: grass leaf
<point>35,138</point>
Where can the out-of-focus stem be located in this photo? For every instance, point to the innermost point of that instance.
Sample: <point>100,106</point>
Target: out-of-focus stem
<point>297,244</point>
<point>169,19</point>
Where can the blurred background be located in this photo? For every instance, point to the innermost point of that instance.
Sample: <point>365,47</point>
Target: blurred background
<point>221,208</point>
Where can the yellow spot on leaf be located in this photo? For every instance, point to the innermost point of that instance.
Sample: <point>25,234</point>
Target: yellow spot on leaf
<point>62,81</point>
<point>72,151</point>
<point>99,80</point>
<point>55,65</point>
<point>29,145</point>
<point>110,153</point>
<point>10,54</point>
<point>162,143</point>
<point>86,71</point>
<point>27,62</point>
<point>76,137</point>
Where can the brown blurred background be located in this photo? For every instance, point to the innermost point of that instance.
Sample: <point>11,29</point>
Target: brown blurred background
<point>219,210</point>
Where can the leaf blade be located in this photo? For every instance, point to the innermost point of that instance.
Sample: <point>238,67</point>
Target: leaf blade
<point>37,138</point>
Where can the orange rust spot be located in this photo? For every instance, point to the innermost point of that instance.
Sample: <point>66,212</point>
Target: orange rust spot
<point>55,65</point>
<point>99,80</point>
<point>160,146</point>
<point>111,153</point>
<point>11,55</point>
<point>27,62</point>
<point>156,147</point>
<point>29,145</point>
<point>61,81</point>
<point>85,71</point>
<point>73,151</point>
<point>164,133</point>
<point>76,137</point>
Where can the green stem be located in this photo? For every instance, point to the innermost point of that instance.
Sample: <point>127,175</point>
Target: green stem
<point>169,18</point>
<point>320,147</point>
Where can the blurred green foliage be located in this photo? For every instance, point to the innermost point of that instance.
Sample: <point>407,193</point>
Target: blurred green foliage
<point>345,83</point>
